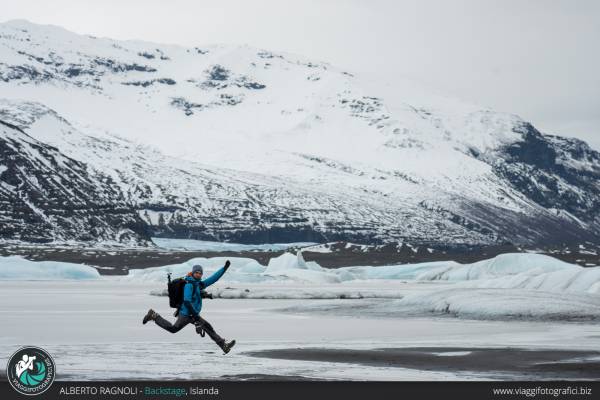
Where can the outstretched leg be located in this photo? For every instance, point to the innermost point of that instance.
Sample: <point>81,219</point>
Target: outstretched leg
<point>176,327</point>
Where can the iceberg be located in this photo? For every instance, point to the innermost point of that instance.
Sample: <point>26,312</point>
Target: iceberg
<point>506,271</point>
<point>286,262</point>
<point>501,265</point>
<point>18,268</point>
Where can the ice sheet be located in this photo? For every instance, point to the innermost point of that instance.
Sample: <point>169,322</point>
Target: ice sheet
<point>101,320</point>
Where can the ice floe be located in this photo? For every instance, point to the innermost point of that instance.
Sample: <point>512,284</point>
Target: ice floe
<point>18,268</point>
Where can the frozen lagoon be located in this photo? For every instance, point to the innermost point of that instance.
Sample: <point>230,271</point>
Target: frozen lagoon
<point>517,316</point>
<point>93,330</point>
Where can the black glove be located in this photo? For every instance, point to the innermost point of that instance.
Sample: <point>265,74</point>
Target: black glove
<point>227,264</point>
<point>199,328</point>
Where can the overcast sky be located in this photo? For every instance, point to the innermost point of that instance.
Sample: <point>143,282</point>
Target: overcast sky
<point>539,59</point>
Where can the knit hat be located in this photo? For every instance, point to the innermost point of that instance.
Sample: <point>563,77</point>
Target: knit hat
<point>197,268</point>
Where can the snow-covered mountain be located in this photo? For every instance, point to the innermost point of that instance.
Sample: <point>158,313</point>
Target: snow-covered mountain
<point>46,195</point>
<point>236,143</point>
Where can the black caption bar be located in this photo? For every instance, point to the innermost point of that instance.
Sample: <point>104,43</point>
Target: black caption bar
<point>289,390</point>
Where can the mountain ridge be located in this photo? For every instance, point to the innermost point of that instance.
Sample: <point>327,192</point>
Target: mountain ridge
<point>259,146</point>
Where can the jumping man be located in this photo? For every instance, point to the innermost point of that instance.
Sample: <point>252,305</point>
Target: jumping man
<point>189,312</point>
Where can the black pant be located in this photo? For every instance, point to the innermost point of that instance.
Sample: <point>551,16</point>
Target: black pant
<point>183,320</point>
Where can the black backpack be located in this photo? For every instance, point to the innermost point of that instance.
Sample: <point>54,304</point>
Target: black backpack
<point>175,290</point>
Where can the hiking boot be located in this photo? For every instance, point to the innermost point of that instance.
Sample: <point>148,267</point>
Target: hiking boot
<point>151,315</point>
<point>226,347</point>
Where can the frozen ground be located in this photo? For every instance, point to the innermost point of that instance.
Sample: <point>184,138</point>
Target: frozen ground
<point>93,329</point>
<point>512,317</point>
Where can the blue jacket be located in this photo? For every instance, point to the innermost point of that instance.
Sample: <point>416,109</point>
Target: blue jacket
<point>191,293</point>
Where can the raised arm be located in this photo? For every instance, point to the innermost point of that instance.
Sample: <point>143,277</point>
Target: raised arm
<point>213,278</point>
<point>216,276</point>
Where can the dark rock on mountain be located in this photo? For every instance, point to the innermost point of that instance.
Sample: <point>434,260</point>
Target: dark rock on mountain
<point>46,196</point>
